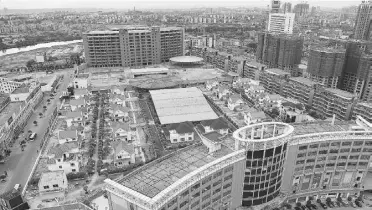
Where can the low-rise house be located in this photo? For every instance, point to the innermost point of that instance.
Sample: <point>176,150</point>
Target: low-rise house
<point>64,157</point>
<point>234,101</point>
<point>74,118</point>
<point>80,93</point>
<point>68,136</point>
<point>254,90</point>
<point>180,132</point>
<point>223,91</point>
<point>118,90</point>
<point>117,99</point>
<point>273,101</point>
<point>119,113</point>
<point>211,84</point>
<point>53,182</point>
<point>124,153</point>
<point>293,112</point>
<point>253,117</point>
<point>121,131</point>
<point>77,103</point>
<point>218,125</point>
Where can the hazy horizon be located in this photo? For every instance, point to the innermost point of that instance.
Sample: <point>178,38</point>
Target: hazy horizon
<point>153,4</point>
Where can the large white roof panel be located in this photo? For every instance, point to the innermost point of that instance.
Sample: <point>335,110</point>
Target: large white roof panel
<point>181,105</point>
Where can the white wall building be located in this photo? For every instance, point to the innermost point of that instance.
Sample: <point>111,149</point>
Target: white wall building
<point>281,23</point>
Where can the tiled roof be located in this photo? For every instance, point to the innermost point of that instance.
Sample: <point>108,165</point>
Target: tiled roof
<point>213,136</point>
<point>215,124</point>
<point>115,107</point>
<point>299,106</point>
<point>74,206</point>
<point>8,195</point>
<point>181,128</point>
<point>234,98</point>
<point>117,125</point>
<point>60,149</point>
<point>222,88</point>
<point>123,146</point>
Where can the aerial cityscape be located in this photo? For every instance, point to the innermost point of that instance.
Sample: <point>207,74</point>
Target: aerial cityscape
<point>185,105</point>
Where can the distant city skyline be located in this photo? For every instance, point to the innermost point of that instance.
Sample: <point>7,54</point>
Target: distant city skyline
<point>154,4</point>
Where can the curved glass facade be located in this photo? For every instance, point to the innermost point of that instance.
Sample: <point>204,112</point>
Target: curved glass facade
<point>263,175</point>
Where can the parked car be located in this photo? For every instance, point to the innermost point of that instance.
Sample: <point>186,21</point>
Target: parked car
<point>321,204</point>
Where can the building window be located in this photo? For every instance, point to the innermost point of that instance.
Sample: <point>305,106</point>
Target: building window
<point>72,164</point>
<point>73,170</point>
<point>59,166</point>
<point>55,185</point>
<point>46,187</point>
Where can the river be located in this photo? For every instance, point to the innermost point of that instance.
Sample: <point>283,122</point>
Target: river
<point>34,47</point>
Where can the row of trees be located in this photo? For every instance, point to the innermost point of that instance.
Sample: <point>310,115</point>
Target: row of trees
<point>53,63</point>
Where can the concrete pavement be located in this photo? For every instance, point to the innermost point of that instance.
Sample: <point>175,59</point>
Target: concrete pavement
<point>20,163</point>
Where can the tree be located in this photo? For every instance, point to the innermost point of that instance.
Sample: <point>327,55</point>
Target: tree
<point>48,100</point>
<point>349,198</point>
<point>275,112</point>
<point>35,122</point>
<point>40,114</point>
<point>30,64</point>
<point>85,188</point>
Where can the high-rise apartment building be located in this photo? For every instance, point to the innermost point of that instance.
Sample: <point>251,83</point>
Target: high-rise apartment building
<point>275,6</point>
<point>362,28</point>
<point>325,65</point>
<point>129,47</point>
<point>281,22</point>
<point>287,7</point>
<point>301,10</point>
<point>280,51</point>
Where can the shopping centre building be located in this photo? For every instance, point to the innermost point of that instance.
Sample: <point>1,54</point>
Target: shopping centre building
<point>257,166</point>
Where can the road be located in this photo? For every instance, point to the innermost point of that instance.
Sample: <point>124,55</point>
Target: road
<point>20,163</point>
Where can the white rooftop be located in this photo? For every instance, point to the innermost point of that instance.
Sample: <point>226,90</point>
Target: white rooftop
<point>181,105</point>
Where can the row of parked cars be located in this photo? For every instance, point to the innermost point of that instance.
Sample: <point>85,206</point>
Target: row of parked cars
<point>328,203</point>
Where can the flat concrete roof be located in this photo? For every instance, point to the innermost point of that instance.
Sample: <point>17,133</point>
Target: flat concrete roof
<point>9,110</point>
<point>340,93</point>
<point>303,80</point>
<point>156,176</point>
<point>321,127</point>
<point>181,105</point>
<point>277,71</point>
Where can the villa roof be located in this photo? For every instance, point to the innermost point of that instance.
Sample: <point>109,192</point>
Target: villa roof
<point>234,98</point>
<point>116,107</point>
<point>181,128</point>
<point>119,125</point>
<point>121,145</point>
<point>299,106</point>
<point>215,124</point>
<point>223,88</point>
<point>50,177</point>
<point>60,149</point>
<point>213,136</point>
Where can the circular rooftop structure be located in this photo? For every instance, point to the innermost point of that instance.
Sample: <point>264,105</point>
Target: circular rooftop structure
<point>186,60</point>
<point>263,135</point>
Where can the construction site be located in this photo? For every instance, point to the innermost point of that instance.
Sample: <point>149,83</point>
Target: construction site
<point>280,51</point>
<point>325,65</point>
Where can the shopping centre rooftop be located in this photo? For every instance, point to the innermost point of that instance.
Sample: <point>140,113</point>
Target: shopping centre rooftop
<point>156,176</point>
<point>321,127</point>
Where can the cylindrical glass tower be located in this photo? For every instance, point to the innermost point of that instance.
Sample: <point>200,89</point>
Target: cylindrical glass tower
<point>266,146</point>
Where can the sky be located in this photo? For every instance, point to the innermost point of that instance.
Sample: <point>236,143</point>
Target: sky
<point>158,4</point>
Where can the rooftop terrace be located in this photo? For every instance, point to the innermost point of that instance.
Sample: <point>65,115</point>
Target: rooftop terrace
<point>320,127</point>
<point>341,93</point>
<point>156,176</point>
<point>8,111</point>
<point>303,80</point>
